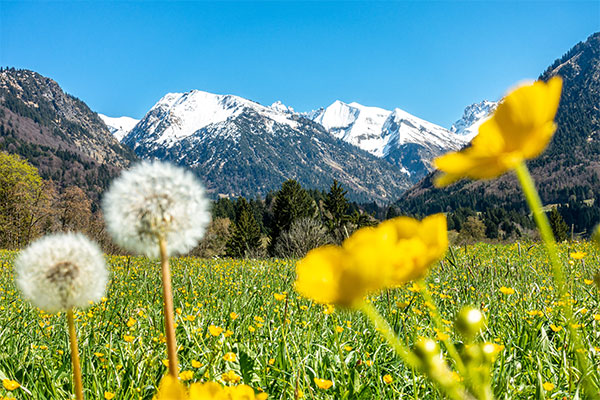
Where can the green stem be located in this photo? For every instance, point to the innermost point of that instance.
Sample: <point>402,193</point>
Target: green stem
<point>535,204</point>
<point>437,319</point>
<point>456,392</point>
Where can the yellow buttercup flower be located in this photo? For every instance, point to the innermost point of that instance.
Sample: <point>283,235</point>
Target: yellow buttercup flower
<point>394,252</point>
<point>520,129</point>
<point>323,383</point>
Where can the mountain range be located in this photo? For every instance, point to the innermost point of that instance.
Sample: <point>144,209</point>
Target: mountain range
<point>376,153</point>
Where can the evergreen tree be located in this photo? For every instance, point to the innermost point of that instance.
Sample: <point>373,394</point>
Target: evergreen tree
<point>291,202</point>
<point>245,238</point>
<point>559,227</point>
<point>336,206</point>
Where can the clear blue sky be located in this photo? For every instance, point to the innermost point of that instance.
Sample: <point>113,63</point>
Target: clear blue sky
<point>428,58</point>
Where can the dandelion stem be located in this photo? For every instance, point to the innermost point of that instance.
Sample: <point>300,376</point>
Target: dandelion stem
<point>168,309</point>
<point>535,204</point>
<point>74,355</point>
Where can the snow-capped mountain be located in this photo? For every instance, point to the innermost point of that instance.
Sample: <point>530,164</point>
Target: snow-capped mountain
<point>473,116</point>
<point>407,141</point>
<point>354,123</point>
<point>240,147</point>
<point>119,126</point>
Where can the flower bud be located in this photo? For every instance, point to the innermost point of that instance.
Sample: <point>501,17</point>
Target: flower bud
<point>427,350</point>
<point>469,322</point>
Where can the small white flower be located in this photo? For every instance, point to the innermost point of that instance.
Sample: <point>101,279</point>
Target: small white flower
<point>61,271</point>
<point>155,200</point>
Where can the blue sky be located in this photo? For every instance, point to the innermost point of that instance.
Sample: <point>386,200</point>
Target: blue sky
<point>428,58</point>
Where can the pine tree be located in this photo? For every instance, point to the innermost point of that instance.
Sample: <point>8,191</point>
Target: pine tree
<point>245,239</point>
<point>291,202</point>
<point>336,206</point>
<point>559,227</point>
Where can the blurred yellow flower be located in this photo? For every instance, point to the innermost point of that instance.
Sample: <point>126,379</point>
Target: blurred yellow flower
<point>230,357</point>
<point>10,384</point>
<point>231,377</point>
<point>215,330</point>
<point>520,129</point>
<point>387,379</point>
<point>323,383</point>
<point>506,290</point>
<point>186,375</point>
<point>548,386</point>
<point>578,255</point>
<point>395,252</point>
<point>109,395</point>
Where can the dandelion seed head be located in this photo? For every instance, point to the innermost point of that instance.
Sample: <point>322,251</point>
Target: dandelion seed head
<point>61,271</point>
<point>155,200</point>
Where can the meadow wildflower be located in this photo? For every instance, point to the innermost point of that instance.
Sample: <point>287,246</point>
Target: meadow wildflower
<point>61,271</point>
<point>394,252</point>
<point>323,383</point>
<point>152,201</point>
<point>520,129</point>
<point>10,385</point>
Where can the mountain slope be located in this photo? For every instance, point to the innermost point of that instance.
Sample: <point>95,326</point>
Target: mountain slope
<point>56,132</point>
<point>566,172</point>
<point>404,140</point>
<point>240,147</point>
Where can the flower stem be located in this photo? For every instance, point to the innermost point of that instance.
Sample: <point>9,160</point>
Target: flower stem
<point>535,204</point>
<point>168,309</point>
<point>437,319</point>
<point>74,355</point>
<point>454,391</point>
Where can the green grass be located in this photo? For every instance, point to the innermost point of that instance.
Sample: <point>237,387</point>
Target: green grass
<point>279,357</point>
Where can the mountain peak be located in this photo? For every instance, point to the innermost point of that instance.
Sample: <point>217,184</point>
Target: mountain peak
<point>473,116</point>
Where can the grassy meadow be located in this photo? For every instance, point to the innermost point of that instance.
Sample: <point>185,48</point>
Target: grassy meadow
<point>281,342</point>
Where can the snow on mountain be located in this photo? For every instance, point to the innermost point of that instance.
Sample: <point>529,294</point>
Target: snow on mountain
<point>403,128</point>
<point>177,116</point>
<point>382,132</point>
<point>473,116</point>
<point>354,123</point>
<point>119,126</point>
<point>279,106</point>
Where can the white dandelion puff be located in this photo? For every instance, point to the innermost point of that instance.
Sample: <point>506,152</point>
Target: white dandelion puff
<point>61,271</point>
<point>156,201</point>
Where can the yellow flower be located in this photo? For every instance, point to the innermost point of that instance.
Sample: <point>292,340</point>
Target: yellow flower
<point>323,383</point>
<point>196,364</point>
<point>578,255</point>
<point>387,379</point>
<point>215,330</point>
<point>230,357</point>
<point>233,315</point>
<point>279,297</point>
<point>109,395</point>
<point>506,290</point>
<point>520,129</point>
<point>555,328</point>
<point>128,338</point>
<point>231,377</point>
<point>395,252</point>
<point>588,281</point>
<point>131,322</point>
<point>186,375</point>
<point>548,386</point>
<point>10,385</point>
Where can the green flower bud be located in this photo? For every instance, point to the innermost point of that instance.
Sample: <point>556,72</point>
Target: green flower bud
<point>469,322</point>
<point>427,350</point>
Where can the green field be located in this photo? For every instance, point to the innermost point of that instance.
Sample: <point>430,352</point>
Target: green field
<point>281,343</point>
